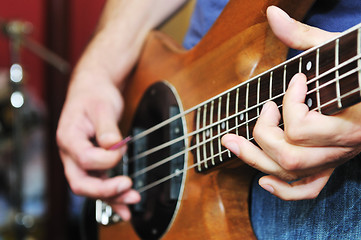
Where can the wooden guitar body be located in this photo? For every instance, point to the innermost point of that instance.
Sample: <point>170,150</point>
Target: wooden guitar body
<point>213,204</point>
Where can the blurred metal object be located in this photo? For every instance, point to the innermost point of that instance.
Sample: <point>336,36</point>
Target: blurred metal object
<point>15,28</point>
<point>17,32</point>
<point>17,103</point>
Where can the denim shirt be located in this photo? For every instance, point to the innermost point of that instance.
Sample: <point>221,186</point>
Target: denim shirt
<point>330,15</point>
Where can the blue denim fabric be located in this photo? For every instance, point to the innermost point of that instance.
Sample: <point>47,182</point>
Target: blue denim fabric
<point>331,15</point>
<point>334,214</point>
<point>204,15</point>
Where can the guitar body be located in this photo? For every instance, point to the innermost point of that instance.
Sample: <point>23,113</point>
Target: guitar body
<point>212,204</point>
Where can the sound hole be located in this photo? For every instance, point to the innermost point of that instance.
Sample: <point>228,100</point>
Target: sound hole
<point>152,216</point>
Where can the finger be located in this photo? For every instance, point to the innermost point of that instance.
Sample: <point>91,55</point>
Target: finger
<point>307,188</point>
<point>119,203</point>
<point>302,126</point>
<point>74,129</point>
<point>73,138</point>
<point>254,156</point>
<point>293,33</point>
<point>85,184</point>
<point>129,197</point>
<point>122,210</point>
<point>89,157</point>
<point>105,119</point>
<point>310,128</point>
<point>290,157</point>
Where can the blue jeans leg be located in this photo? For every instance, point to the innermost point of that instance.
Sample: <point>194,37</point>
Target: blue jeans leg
<point>334,214</point>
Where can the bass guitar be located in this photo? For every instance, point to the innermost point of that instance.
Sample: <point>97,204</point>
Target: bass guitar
<point>180,103</point>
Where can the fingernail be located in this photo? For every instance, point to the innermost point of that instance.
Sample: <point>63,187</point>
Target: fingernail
<point>292,82</point>
<point>265,107</point>
<point>123,185</point>
<point>232,146</point>
<point>285,16</point>
<point>108,137</point>
<point>268,188</point>
<point>130,199</point>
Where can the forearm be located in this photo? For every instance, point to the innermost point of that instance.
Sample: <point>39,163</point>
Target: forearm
<point>120,34</point>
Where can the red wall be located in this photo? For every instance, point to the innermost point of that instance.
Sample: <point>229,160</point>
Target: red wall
<point>33,12</point>
<point>84,15</point>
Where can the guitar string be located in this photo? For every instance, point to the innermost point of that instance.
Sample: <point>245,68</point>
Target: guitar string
<point>233,128</point>
<point>177,173</point>
<point>181,138</point>
<point>245,111</point>
<point>220,134</point>
<point>238,86</point>
<point>180,115</point>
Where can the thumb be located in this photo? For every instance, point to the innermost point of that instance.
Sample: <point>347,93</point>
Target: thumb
<point>293,33</point>
<point>306,188</point>
<point>105,120</point>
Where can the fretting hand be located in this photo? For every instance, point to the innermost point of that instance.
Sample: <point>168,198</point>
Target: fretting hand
<point>311,144</point>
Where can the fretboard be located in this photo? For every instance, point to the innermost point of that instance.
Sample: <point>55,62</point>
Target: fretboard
<point>334,83</point>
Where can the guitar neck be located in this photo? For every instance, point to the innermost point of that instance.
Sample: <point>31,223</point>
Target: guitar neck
<point>333,71</point>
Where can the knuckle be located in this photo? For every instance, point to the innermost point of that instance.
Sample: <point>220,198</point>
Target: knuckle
<point>288,176</point>
<point>312,195</point>
<point>83,161</point>
<point>60,137</point>
<point>290,164</point>
<point>294,134</point>
<point>101,193</point>
<point>257,132</point>
<point>76,187</point>
<point>289,161</point>
<point>252,163</point>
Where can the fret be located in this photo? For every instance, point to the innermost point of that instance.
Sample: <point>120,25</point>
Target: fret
<point>277,85</point>
<point>290,71</point>
<point>337,59</point>
<point>241,111</point>
<point>232,114</point>
<point>204,136</point>
<point>247,115</point>
<point>300,65</point>
<point>309,69</point>
<point>327,62</point>
<point>359,60</point>
<point>350,93</point>
<point>284,87</point>
<point>219,129</point>
<point>308,65</point>
<point>270,85</point>
<point>258,95</point>
<point>236,110</point>
<point>252,108</point>
<point>211,132</point>
<point>227,115</point>
<point>284,78</point>
<point>318,82</point>
<point>197,140</point>
<point>347,51</point>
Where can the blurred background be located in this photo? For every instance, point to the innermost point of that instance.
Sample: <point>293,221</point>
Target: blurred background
<point>40,42</point>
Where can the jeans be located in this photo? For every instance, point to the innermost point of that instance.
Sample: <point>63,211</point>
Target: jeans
<point>334,214</point>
